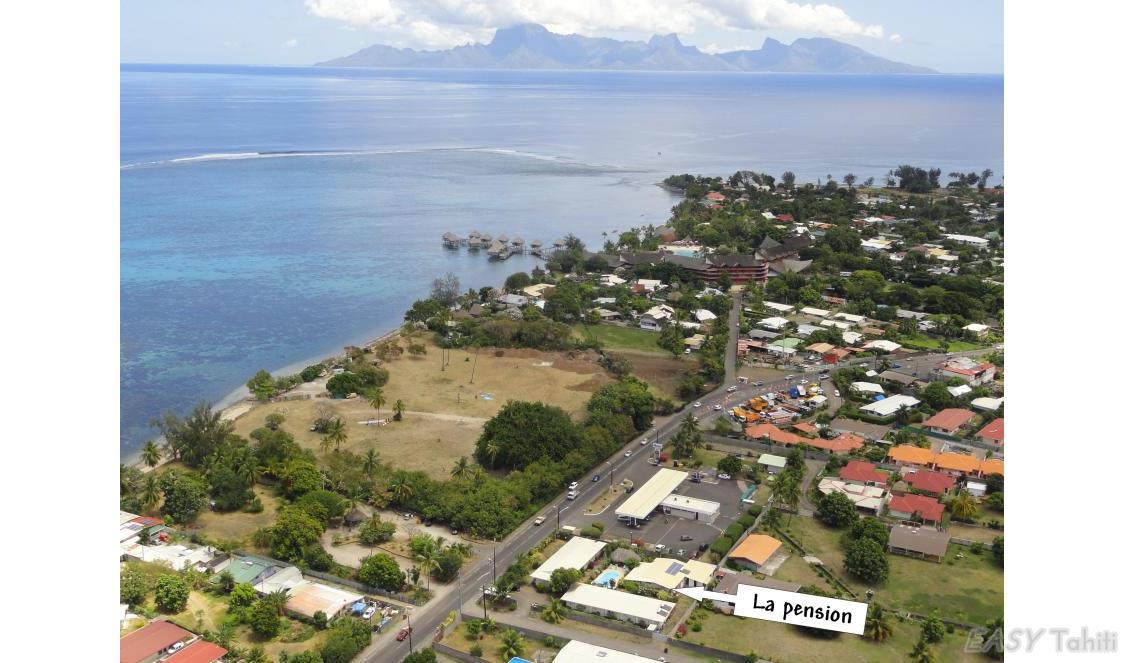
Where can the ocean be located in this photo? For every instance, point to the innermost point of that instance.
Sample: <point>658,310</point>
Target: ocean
<point>272,215</point>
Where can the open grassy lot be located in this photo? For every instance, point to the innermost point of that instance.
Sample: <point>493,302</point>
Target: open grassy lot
<point>929,343</point>
<point>460,640</point>
<point>613,337</point>
<point>421,441</point>
<point>967,589</point>
<point>662,372</point>
<point>781,642</point>
<point>239,525</point>
<point>206,611</point>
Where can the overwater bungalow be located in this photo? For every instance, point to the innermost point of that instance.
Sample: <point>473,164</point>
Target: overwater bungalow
<point>503,239</point>
<point>486,238</point>
<point>475,243</point>
<point>498,251</point>
<point>451,241</point>
<point>474,233</point>
<point>517,242</point>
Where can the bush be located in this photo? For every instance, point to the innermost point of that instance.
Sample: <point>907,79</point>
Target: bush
<point>171,593</point>
<point>346,638</point>
<point>381,570</point>
<point>721,545</point>
<point>746,521</point>
<point>733,531</point>
<point>476,650</point>
<point>264,620</point>
<point>591,532</point>
<point>755,510</point>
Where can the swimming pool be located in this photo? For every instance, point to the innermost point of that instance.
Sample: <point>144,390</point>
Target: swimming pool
<point>748,494</point>
<point>608,578</point>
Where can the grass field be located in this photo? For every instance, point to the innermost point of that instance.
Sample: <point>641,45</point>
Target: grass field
<point>967,589</point>
<point>239,525</point>
<point>918,340</point>
<point>613,337</point>
<point>781,642</point>
<point>206,611</point>
<point>460,640</point>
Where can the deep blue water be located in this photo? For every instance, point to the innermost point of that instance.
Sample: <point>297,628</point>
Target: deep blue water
<point>232,261</point>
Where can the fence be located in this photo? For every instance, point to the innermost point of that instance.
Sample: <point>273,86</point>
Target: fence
<point>605,622</point>
<point>366,589</point>
<point>710,652</point>
<point>456,653</point>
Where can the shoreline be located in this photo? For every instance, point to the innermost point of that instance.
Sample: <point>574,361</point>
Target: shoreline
<point>240,396</point>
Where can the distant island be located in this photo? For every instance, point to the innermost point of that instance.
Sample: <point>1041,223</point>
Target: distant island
<point>531,46</point>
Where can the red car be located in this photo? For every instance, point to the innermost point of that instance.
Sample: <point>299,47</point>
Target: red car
<point>403,633</point>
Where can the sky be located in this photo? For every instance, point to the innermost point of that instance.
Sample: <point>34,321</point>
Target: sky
<point>953,36</point>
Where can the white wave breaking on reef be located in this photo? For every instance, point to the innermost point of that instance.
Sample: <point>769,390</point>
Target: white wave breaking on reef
<point>238,156</point>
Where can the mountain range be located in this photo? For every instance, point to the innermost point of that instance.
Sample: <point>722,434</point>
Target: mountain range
<point>530,46</point>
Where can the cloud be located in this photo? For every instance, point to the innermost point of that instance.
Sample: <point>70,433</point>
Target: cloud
<point>896,38</point>
<point>443,23</point>
<point>290,43</point>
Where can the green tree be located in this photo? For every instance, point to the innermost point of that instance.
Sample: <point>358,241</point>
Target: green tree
<point>963,506</point>
<point>867,560</point>
<point>150,454</point>
<point>370,462</point>
<point>554,612</point>
<point>377,399</point>
<point>336,434</point>
<point>171,593</point>
<point>563,579</point>
<point>242,595</point>
<point>399,409</point>
<point>262,385</point>
<point>527,432</point>
<point>998,550</point>
<point>184,496</point>
<point>732,465</point>
<point>134,585</point>
<point>870,528</point>
<point>512,644</point>
<point>788,491</point>
<point>421,656</point>
<point>836,510</point>
<point>461,468</point>
<point>923,653</point>
<point>263,619</point>
<point>932,630</point>
<point>294,531</point>
<point>298,477</point>
<point>196,437</point>
<point>400,487</point>
<point>375,531</point>
<point>381,571</point>
<point>878,625</point>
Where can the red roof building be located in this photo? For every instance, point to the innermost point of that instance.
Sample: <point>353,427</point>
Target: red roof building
<point>860,471</point>
<point>949,420</point>
<point>784,218</point>
<point>906,506</point>
<point>807,428</point>
<point>839,444</point>
<point>929,481</point>
<point>993,432</point>
<point>199,651</point>
<point>150,640</point>
<point>715,196</point>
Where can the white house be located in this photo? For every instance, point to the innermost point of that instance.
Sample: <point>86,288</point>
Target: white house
<point>960,390</point>
<point>772,463</point>
<point>817,312</point>
<point>891,405</point>
<point>774,323</point>
<point>703,315</point>
<point>780,308</point>
<point>851,337</point>
<point>640,610</point>
<point>882,344</point>
<point>968,240</point>
<point>650,285</point>
<point>851,317</point>
<point>690,508</point>
<point>977,329</point>
<point>577,553</point>
<point>669,573</point>
<point>610,279</point>
<point>867,388</point>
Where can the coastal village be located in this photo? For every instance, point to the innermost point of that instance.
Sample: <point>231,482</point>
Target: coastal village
<point>792,387</point>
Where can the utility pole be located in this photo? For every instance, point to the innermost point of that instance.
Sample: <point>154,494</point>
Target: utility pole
<point>409,633</point>
<point>484,600</point>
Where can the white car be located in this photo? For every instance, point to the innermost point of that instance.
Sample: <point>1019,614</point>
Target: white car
<point>540,520</point>
<point>836,393</point>
<point>572,495</point>
<point>803,382</point>
<point>659,547</point>
<point>790,377</point>
<point>697,404</point>
<point>573,485</point>
<point>628,452</point>
<point>724,475</point>
<point>644,441</point>
<point>369,613</point>
<point>717,407</point>
<point>732,389</point>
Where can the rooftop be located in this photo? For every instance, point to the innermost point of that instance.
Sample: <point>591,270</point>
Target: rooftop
<point>622,603</point>
<point>649,496</point>
<point>577,651</point>
<point>949,419</point>
<point>671,573</point>
<point>756,548</point>
<point>574,554</point>
<point>928,507</point>
<point>863,472</point>
<point>150,639</point>
<point>919,539</point>
<point>199,651</point>
<point>993,431</point>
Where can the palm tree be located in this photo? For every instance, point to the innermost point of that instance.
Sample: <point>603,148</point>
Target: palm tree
<point>399,407</point>
<point>370,462</point>
<point>400,488</point>
<point>377,400</point>
<point>511,644</point>
<point>963,506</point>
<point>878,626</point>
<point>492,450</point>
<point>278,598</point>
<point>461,468</point>
<point>150,454</point>
<point>325,443</point>
<point>690,425</point>
<point>428,559</point>
<point>336,433</point>
<point>788,491</point>
<point>554,612</point>
<point>923,653</point>
<point>151,493</point>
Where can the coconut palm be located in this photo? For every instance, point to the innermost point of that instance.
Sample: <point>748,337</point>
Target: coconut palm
<point>428,559</point>
<point>370,462</point>
<point>512,644</point>
<point>788,491</point>
<point>878,626</point>
<point>923,653</point>
<point>150,454</point>
<point>150,494</point>
<point>554,612</point>
<point>325,444</point>
<point>492,450</point>
<point>399,408</point>
<point>400,488</point>
<point>963,506</point>
<point>336,433</point>
<point>277,598</point>
<point>377,399</point>
<point>461,468</point>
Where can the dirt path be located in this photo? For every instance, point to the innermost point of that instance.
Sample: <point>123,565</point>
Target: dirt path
<point>440,416</point>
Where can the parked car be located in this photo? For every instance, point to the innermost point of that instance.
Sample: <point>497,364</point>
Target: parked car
<point>403,633</point>
<point>731,388</point>
<point>628,452</point>
<point>644,441</point>
<point>803,382</point>
<point>540,520</point>
<point>758,383</point>
<point>697,404</point>
<point>685,537</point>
<point>836,393</point>
<point>370,612</point>
<point>724,475</point>
<point>597,478</point>
<point>717,407</point>
<point>790,377</point>
<point>660,547</point>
